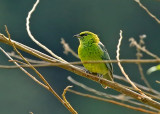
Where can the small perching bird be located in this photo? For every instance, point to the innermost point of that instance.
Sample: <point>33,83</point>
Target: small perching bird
<point>91,49</point>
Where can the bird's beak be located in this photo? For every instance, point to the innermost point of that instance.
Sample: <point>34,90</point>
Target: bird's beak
<point>77,36</point>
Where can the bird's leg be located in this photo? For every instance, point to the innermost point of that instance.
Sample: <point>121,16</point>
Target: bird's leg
<point>100,76</point>
<point>87,71</point>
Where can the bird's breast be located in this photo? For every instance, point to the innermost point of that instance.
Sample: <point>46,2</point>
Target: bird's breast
<point>89,52</point>
<point>92,53</point>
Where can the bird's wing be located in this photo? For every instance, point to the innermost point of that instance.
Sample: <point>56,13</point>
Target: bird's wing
<point>106,57</point>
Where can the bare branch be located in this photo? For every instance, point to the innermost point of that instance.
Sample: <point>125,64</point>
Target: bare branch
<point>12,54</point>
<point>113,85</point>
<point>148,12</point>
<point>120,97</point>
<point>134,43</point>
<point>65,100</point>
<point>32,37</point>
<point>121,68</point>
<point>40,83</point>
<point>91,89</point>
<point>67,49</point>
<point>47,64</point>
<point>139,55</point>
<point>112,101</point>
<point>42,78</point>
<point>158,81</point>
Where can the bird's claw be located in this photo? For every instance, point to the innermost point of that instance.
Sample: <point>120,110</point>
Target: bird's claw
<point>100,76</point>
<point>87,71</point>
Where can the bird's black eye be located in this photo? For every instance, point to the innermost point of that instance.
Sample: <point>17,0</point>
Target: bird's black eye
<point>85,34</point>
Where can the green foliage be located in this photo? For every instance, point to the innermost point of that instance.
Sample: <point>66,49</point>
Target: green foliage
<point>153,69</point>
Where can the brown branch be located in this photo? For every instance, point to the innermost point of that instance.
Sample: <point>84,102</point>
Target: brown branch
<point>127,61</point>
<point>148,12</point>
<point>139,86</point>
<point>12,54</point>
<point>45,81</point>
<point>113,102</point>
<point>120,97</point>
<point>139,55</point>
<point>66,104</point>
<point>134,43</point>
<point>67,49</point>
<point>118,87</point>
<point>158,81</point>
<point>65,100</point>
<point>122,69</point>
<point>32,77</point>
<point>91,89</point>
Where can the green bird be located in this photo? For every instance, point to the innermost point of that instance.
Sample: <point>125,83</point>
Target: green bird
<point>91,49</point>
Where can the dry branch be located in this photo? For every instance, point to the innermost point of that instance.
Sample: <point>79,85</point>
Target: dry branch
<point>112,101</point>
<point>148,12</point>
<point>118,87</point>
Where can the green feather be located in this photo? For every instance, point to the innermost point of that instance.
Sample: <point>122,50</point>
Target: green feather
<point>91,49</point>
<point>105,56</point>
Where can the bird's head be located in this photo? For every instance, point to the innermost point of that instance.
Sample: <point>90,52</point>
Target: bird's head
<point>87,37</point>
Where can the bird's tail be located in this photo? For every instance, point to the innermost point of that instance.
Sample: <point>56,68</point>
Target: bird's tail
<point>108,76</point>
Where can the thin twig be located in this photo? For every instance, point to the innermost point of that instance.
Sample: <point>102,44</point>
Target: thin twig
<point>40,83</point>
<point>65,100</point>
<point>139,86</point>
<point>18,62</point>
<point>112,101</point>
<point>121,68</point>
<point>139,55</point>
<point>158,81</point>
<point>149,13</point>
<point>32,37</point>
<point>43,79</point>
<point>39,74</point>
<point>67,49</point>
<point>134,43</point>
<point>12,54</point>
<point>91,89</point>
<point>116,86</point>
<point>121,97</point>
<point>47,64</point>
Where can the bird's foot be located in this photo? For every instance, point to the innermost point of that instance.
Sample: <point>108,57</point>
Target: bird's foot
<point>87,71</point>
<point>100,77</point>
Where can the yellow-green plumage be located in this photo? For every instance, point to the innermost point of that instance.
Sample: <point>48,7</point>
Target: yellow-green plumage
<point>91,49</point>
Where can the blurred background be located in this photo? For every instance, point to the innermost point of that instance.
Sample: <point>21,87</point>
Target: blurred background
<point>54,19</point>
